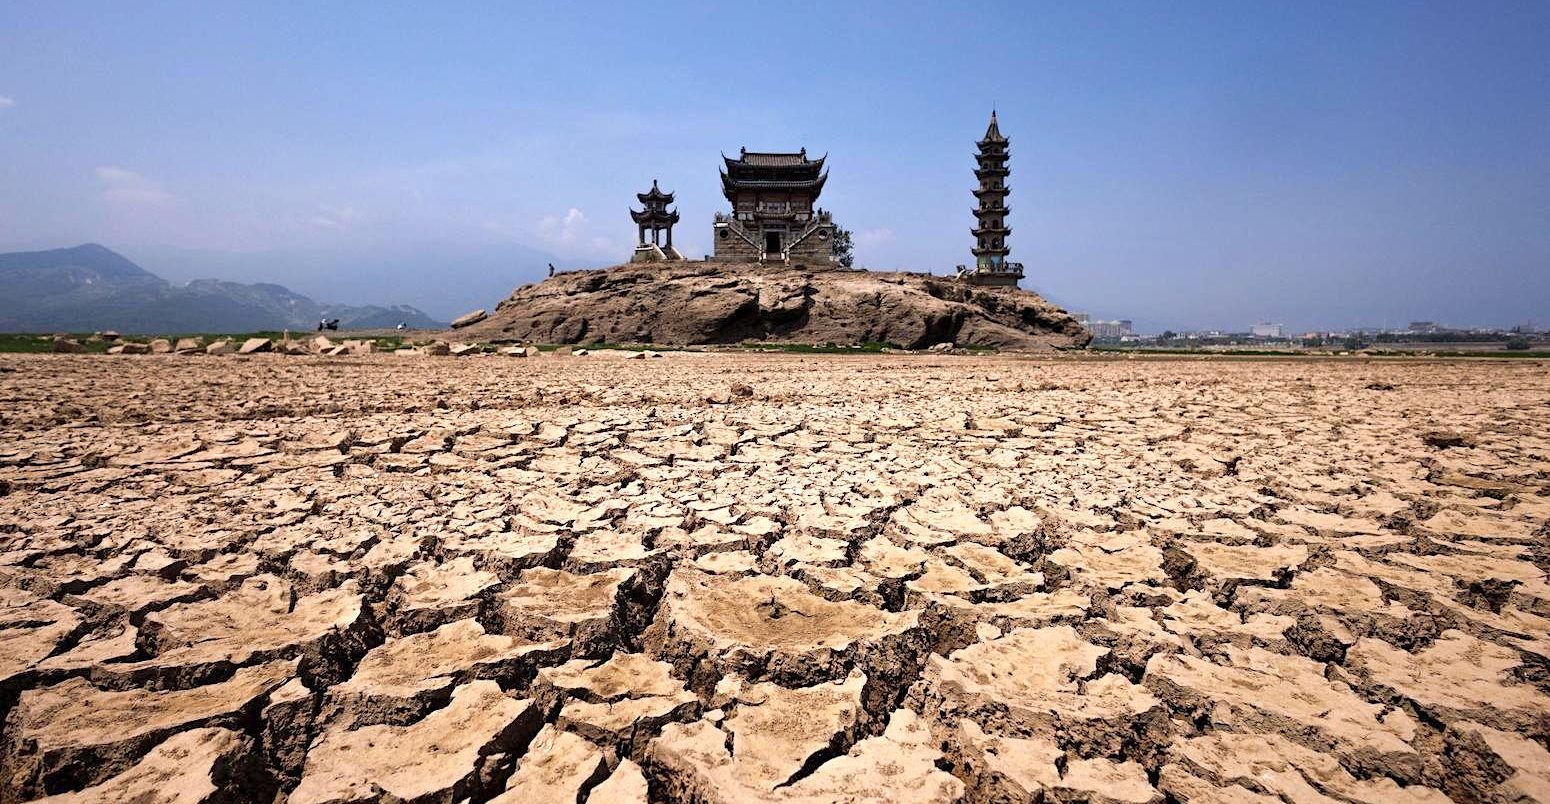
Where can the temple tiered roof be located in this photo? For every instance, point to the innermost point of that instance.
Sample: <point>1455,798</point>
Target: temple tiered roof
<point>772,171</point>
<point>656,213</point>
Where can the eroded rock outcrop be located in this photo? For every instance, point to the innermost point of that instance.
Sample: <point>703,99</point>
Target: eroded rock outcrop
<point>702,303</point>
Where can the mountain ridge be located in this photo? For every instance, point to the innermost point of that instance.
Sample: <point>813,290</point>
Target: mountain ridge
<point>92,287</point>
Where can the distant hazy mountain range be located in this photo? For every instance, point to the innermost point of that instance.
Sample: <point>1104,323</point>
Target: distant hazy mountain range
<point>89,288</point>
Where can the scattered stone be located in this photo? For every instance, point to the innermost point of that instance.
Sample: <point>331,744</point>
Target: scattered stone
<point>1443,439</point>
<point>469,318</point>
<point>255,345</point>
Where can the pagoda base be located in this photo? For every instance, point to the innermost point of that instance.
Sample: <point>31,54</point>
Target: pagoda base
<point>651,252</point>
<point>1007,277</point>
<point>993,280</point>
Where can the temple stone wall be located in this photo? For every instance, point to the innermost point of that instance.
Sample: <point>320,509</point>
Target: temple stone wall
<point>816,248</point>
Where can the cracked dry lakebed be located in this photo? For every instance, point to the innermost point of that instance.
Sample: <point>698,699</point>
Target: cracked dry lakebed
<point>730,577</point>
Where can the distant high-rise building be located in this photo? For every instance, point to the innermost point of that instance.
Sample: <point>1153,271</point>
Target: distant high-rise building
<point>1265,330</point>
<point>1110,330</point>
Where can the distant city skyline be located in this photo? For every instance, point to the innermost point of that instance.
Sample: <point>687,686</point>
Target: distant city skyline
<point>1210,165</point>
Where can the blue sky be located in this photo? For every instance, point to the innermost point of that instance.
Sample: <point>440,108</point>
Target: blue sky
<point>1182,164</point>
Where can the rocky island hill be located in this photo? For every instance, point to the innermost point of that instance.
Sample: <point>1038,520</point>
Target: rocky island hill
<point>687,303</point>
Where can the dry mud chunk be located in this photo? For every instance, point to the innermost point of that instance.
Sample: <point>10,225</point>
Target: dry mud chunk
<point>1034,681</point>
<point>1034,610</point>
<point>64,574</point>
<point>1196,615</point>
<point>898,767</point>
<point>1111,560</point>
<point>1100,781</point>
<point>1228,564</point>
<point>434,593</point>
<point>504,553</point>
<point>692,762</point>
<point>1324,589</point>
<point>601,550</point>
<point>314,572</point>
<point>258,622</point>
<point>195,767</point>
<point>548,604</point>
<point>939,580</point>
<point>937,520</point>
<point>732,562</point>
<point>1004,769</point>
<point>1456,676</point>
<point>440,758</point>
<point>1001,576</point>
<point>288,724</point>
<point>72,733</point>
<point>136,594</point>
<point>776,730</point>
<point>556,769</point>
<point>29,633</point>
<point>617,701</point>
<point>626,785</point>
<point>224,571</point>
<point>1267,692</point>
<point>803,548</point>
<point>1278,766</point>
<point>1527,764</point>
<point>398,681</point>
<point>772,628</point>
<point>1183,786</point>
<point>114,643</point>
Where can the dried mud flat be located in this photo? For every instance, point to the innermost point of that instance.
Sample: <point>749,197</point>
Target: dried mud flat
<point>773,578</point>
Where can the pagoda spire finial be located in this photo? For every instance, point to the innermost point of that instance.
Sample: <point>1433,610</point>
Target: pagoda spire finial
<point>993,131</point>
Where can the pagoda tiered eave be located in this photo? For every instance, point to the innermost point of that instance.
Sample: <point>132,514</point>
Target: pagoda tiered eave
<point>650,216</point>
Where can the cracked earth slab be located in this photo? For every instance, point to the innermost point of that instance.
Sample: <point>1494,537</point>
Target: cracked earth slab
<point>380,578</point>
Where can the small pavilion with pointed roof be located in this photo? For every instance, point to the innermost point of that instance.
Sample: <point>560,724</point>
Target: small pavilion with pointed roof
<point>656,218</point>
